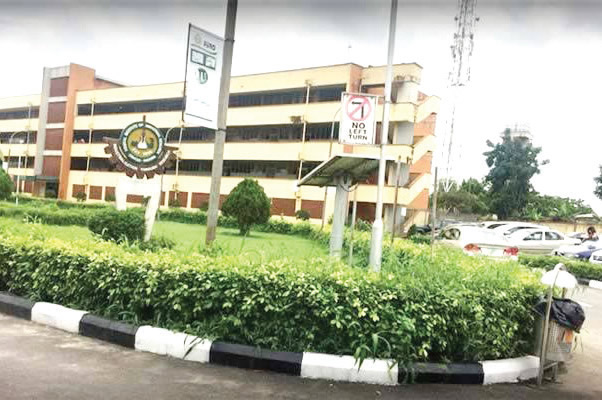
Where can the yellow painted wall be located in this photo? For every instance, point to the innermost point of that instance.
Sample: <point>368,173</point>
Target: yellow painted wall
<point>19,101</point>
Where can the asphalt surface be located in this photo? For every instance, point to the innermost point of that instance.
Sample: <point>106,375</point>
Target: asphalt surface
<point>37,362</point>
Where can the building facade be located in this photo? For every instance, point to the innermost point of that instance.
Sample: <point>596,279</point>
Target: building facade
<point>279,129</point>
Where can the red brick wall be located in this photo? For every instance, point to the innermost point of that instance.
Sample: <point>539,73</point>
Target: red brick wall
<point>56,112</point>
<point>54,139</point>
<point>109,191</point>
<point>51,166</point>
<point>102,84</point>
<point>134,198</point>
<point>283,207</point>
<point>198,199</point>
<point>426,126</point>
<point>28,188</point>
<point>78,189</point>
<point>314,207</point>
<point>421,201</point>
<point>423,165</point>
<point>365,211</point>
<point>96,192</point>
<point>58,87</point>
<point>182,198</point>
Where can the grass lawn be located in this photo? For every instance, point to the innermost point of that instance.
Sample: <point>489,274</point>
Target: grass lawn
<point>189,237</point>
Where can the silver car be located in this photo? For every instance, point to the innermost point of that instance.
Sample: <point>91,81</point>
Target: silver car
<point>539,240</point>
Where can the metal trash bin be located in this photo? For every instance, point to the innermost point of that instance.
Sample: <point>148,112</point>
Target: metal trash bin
<point>560,341</point>
<point>566,318</point>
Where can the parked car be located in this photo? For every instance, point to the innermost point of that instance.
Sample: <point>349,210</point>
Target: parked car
<point>581,251</point>
<point>539,240</point>
<point>511,227</point>
<point>596,257</point>
<point>474,240</point>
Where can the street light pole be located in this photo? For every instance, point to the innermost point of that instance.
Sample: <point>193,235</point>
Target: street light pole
<point>220,133</point>
<point>10,140</point>
<point>329,155</point>
<point>376,245</point>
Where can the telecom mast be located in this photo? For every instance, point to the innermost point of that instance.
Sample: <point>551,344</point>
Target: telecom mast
<point>458,78</point>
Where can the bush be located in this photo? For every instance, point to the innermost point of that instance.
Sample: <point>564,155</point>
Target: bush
<point>110,198</point>
<point>175,202</point>
<point>80,196</point>
<point>450,307</point>
<point>581,269</point>
<point>157,243</point>
<point>420,238</point>
<point>6,185</point>
<point>248,204</point>
<point>117,225</point>
<point>302,215</point>
<point>363,226</point>
<point>204,206</point>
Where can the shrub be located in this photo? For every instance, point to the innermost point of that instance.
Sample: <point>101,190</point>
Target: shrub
<point>248,203</point>
<point>157,243</point>
<point>363,226</point>
<point>80,196</point>
<point>581,269</point>
<point>110,198</point>
<point>117,225</point>
<point>450,307</point>
<point>302,215</point>
<point>420,238</point>
<point>6,185</point>
<point>175,202</point>
<point>204,206</point>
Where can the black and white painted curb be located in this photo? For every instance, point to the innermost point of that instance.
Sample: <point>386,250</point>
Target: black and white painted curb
<point>307,365</point>
<point>594,284</point>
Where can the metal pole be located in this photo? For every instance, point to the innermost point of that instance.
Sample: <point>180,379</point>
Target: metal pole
<point>163,174</point>
<point>544,341</point>
<point>353,216</point>
<point>376,245</point>
<point>434,212</point>
<point>397,173</point>
<point>329,155</point>
<point>18,179</point>
<point>220,134</point>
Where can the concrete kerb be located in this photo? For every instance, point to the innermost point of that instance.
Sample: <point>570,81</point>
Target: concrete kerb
<point>592,283</point>
<point>307,365</point>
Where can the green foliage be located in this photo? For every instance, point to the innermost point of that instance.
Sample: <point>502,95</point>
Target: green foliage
<point>581,269</point>
<point>175,202</point>
<point>6,185</point>
<point>110,198</point>
<point>598,188</point>
<point>80,196</point>
<point>157,243</point>
<point>363,226</point>
<point>420,238</point>
<point>302,215</point>
<point>461,202</point>
<point>48,215</point>
<point>554,208</point>
<point>248,203</point>
<point>204,206</point>
<point>512,164</point>
<point>450,307</point>
<point>117,225</point>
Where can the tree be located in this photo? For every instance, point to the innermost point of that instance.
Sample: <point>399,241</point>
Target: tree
<point>6,185</point>
<point>248,203</point>
<point>598,189</point>
<point>512,165</point>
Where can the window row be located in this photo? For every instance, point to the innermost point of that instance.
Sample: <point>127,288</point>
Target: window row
<point>19,113</point>
<point>23,162</point>
<point>290,132</point>
<point>270,169</point>
<point>19,138</point>
<point>291,96</point>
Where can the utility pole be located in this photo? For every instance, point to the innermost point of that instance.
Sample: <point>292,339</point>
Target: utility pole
<point>220,133</point>
<point>376,245</point>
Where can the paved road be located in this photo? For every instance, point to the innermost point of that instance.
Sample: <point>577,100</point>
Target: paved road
<point>37,362</point>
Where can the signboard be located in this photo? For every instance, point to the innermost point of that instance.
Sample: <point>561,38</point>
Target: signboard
<point>140,150</point>
<point>203,74</point>
<point>358,121</point>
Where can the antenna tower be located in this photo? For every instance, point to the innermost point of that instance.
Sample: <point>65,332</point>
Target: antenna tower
<point>458,78</point>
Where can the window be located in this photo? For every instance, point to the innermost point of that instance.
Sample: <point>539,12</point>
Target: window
<point>553,236</point>
<point>493,226</point>
<point>534,236</point>
<point>96,164</point>
<point>450,234</point>
<point>19,113</point>
<point>516,228</point>
<point>19,138</point>
<point>173,104</point>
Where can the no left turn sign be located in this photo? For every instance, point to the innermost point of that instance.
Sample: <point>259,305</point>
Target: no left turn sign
<point>358,123</point>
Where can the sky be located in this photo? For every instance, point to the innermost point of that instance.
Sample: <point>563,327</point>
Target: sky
<point>535,62</point>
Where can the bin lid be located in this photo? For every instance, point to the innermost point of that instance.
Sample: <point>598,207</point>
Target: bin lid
<point>564,312</point>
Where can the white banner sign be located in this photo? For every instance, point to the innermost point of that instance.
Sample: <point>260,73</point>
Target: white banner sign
<point>203,73</point>
<point>358,121</point>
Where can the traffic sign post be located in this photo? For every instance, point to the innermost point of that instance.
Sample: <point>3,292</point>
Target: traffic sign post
<point>358,122</point>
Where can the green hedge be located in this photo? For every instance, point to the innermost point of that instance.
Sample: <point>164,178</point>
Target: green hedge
<point>581,269</point>
<point>451,307</point>
<point>111,224</point>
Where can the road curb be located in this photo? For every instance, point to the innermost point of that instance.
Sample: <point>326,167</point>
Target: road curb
<point>307,365</point>
<point>592,283</point>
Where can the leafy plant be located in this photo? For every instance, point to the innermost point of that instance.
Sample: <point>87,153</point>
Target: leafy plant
<point>248,204</point>
<point>302,215</point>
<point>110,198</point>
<point>80,196</point>
<point>117,225</point>
<point>6,185</point>
<point>175,202</point>
<point>157,243</point>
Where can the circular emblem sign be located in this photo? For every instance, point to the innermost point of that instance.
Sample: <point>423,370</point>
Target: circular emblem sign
<point>140,150</point>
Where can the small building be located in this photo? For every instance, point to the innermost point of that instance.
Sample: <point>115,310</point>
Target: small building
<point>279,127</point>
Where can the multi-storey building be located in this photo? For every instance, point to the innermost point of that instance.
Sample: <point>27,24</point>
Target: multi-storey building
<point>279,128</point>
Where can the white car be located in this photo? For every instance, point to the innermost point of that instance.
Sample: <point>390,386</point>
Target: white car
<point>596,257</point>
<point>474,240</point>
<point>581,251</point>
<point>539,240</point>
<point>511,227</point>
